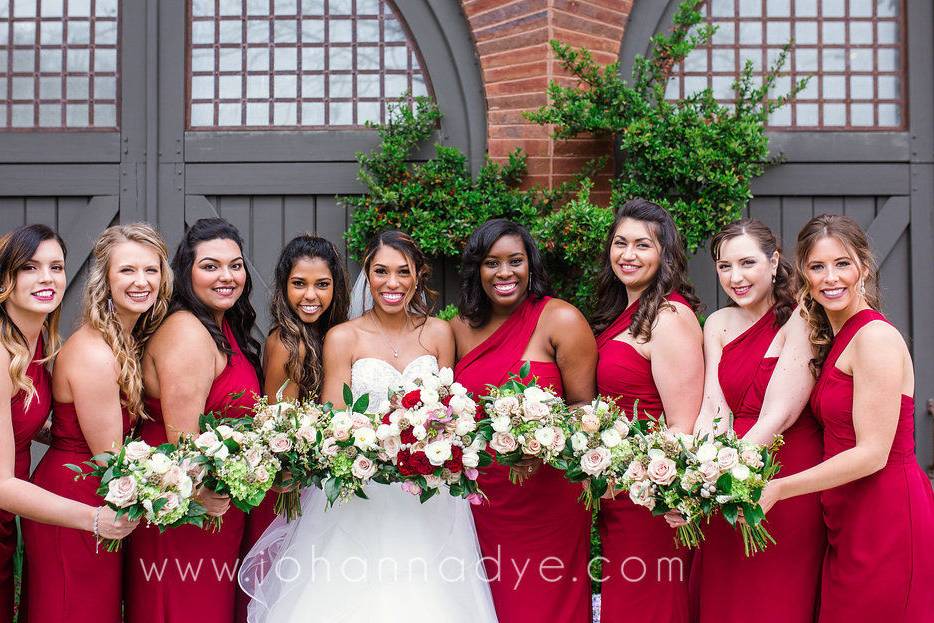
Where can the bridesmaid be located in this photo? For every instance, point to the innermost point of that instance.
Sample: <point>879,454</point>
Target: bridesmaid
<point>651,350</point>
<point>877,503</point>
<point>310,297</point>
<point>201,359</point>
<point>98,396</point>
<point>535,537</point>
<point>32,283</point>
<point>741,347</point>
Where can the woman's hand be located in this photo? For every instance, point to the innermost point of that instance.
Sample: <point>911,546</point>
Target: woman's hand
<point>284,483</point>
<point>771,494</point>
<point>109,526</point>
<point>214,503</point>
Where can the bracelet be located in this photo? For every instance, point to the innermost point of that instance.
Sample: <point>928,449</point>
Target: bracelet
<point>97,532</point>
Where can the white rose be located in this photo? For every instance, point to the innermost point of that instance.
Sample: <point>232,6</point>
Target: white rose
<point>533,410</point>
<point>501,423</point>
<point>307,433</point>
<point>478,444</point>
<point>417,417</point>
<point>656,453</point>
<point>727,458</point>
<point>430,397</point>
<point>329,447</point>
<point>590,421</point>
<point>458,390</point>
<point>430,383</point>
<point>622,427</point>
<point>363,468</point>
<point>171,503</point>
<point>610,438</point>
<point>433,482</point>
<point>600,407</point>
<point>740,472</point>
<point>138,450</point>
<point>560,440</point>
<point>121,492</point>
<point>224,431</point>
<point>503,442</point>
<point>545,436</point>
<point>446,376</point>
<point>253,457</point>
<point>364,438</point>
<point>438,452</point>
<point>662,471</point>
<point>186,486</point>
<point>260,474</point>
<point>172,476</point>
<point>238,437</point>
<point>280,442</point>
<point>751,457</point>
<point>341,434</point>
<point>341,421</point>
<point>595,461</point>
<point>461,405</point>
<point>707,452</point>
<point>392,445</point>
<point>532,447</point>
<point>641,494</point>
<point>635,471</point>
<point>159,463</point>
<point>537,394</point>
<point>419,431</point>
<point>383,431</point>
<point>579,442</point>
<point>471,458</point>
<point>465,426</point>
<point>394,429</point>
<point>709,472</point>
<point>208,443</point>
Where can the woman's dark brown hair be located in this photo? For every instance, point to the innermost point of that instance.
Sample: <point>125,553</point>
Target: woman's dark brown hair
<point>783,287</point>
<point>671,277</point>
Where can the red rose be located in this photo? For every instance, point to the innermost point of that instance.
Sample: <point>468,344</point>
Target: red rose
<point>480,414</point>
<point>446,401</point>
<point>412,399</point>
<point>420,463</point>
<point>408,436</point>
<point>386,419</point>
<point>404,463</point>
<point>455,463</point>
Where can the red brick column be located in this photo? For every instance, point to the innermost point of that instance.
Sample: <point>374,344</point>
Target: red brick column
<point>517,62</point>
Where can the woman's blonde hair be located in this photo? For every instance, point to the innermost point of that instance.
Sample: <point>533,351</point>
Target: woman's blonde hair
<point>17,247</point>
<point>848,233</point>
<point>99,313</point>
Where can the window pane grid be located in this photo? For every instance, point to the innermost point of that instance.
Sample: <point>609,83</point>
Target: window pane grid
<point>851,49</point>
<point>59,65</point>
<point>297,63</point>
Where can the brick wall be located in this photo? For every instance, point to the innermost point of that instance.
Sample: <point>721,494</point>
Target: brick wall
<point>517,63</point>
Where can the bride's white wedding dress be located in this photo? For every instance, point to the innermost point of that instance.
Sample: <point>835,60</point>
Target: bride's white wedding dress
<point>386,559</point>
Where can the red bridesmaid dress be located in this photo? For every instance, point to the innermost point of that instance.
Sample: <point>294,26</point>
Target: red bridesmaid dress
<point>646,576</point>
<point>26,423</point>
<point>189,573</point>
<point>69,577</point>
<point>793,564</point>
<point>880,529</point>
<point>535,538</point>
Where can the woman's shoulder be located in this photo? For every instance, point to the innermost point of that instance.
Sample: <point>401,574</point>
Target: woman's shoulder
<point>878,338</point>
<point>436,327</point>
<point>343,335</point>
<point>86,346</point>
<point>181,328</point>
<point>561,311</point>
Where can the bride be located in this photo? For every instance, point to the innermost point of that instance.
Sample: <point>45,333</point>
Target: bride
<point>388,558</point>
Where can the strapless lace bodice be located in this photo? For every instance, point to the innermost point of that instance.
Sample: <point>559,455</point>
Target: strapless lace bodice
<point>376,377</point>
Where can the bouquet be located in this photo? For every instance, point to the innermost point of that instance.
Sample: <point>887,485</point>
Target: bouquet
<point>348,455</point>
<point>290,431</point>
<point>664,476</point>
<point>732,474</point>
<point>238,462</point>
<point>524,420</point>
<point>144,482</point>
<point>603,444</point>
<point>428,432</point>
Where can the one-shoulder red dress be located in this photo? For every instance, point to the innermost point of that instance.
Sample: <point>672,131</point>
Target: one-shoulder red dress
<point>535,538</point>
<point>70,578</point>
<point>26,423</point>
<point>794,563</point>
<point>879,564</point>
<point>189,574</point>
<point>645,575</point>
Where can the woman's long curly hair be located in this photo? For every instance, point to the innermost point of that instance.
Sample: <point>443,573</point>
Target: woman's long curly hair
<point>304,342</point>
<point>17,247</point>
<point>848,233</point>
<point>671,277</point>
<point>421,300</point>
<point>99,314</point>
<point>241,317</point>
<point>474,305</point>
<point>783,285</point>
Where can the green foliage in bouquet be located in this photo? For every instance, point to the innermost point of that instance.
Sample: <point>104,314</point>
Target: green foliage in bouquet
<point>694,156</point>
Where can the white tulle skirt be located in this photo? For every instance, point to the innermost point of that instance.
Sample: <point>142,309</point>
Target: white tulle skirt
<point>385,559</point>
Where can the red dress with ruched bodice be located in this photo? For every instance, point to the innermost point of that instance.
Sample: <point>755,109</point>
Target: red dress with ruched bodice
<point>187,573</point>
<point>540,523</point>
<point>879,564</point>
<point>26,423</point>
<point>69,578</point>
<point>794,563</point>
<point>645,575</point>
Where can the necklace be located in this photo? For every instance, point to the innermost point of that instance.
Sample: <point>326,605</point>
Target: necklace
<point>392,347</point>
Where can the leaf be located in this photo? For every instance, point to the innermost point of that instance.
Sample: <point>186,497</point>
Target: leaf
<point>348,395</point>
<point>725,483</point>
<point>730,513</point>
<point>525,370</point>
<point>484,459</point>
<point>361,404</point>
<point>426,494</point>
<point>75,468</point>
<point>332,489</point>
